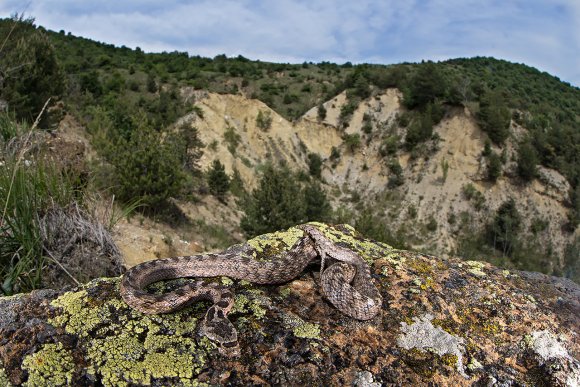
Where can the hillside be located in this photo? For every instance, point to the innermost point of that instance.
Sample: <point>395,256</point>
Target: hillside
<point>477,158</point>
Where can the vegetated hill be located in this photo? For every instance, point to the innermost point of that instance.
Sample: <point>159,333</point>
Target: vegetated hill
<point>477,157</point>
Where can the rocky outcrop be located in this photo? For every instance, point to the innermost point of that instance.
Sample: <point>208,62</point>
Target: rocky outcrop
<point>444,321</point>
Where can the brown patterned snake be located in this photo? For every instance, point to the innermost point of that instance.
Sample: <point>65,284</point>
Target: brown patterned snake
<point>346,282</point>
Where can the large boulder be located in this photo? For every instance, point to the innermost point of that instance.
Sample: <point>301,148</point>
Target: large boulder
<point>444,321</point>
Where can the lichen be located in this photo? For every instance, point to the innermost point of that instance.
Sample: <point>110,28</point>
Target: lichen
<point>307,331</point>
<point>476,268</point>
<point>346,235</point>
<point>52,365</point>
<point>126,347</point>
<point>267,246</point>
<point>423,335</point>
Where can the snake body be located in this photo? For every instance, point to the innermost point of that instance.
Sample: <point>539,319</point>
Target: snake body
<point>346,282</point>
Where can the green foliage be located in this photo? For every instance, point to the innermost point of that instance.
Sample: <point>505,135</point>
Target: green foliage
<point>352,141</point>
<point>389,146</point>
<point>397,179</point>
<point>264,120</point>
<point>281,201</point>
<point>503,231</point>
<point>420,129</point>
<point>144,164</point>
<point>314,165</point>
<point>494,116</point>
<point>237,184</point>
<point>321,112</point>
<point>27,190</point>
<point>474,196</point>
<point>494,166</point>
<point>273,205</point>
<point>217,180</point>
<point>427,85</point>
<point>31,71</point>
<point>317,205</point>
<point>373,226</point>
<point>527,161</point>
<point>232,139</point>
<point>445,169</point>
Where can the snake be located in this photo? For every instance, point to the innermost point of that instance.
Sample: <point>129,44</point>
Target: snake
<point>345,279</point>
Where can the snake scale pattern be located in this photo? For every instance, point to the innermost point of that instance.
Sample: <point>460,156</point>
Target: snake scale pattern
<point>345,280</point>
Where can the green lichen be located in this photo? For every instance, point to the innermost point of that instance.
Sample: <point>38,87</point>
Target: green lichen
<point>267,246</point>
<point>3,377</point>
<point>52,365</point>
<point>307,331</point>
<point>474,365</point>
<point>476,268</point>
<point>285,292</point>
<point>130,348</point>
<point>226,281</point>
<point>347,235</point>
<point>253,304</point>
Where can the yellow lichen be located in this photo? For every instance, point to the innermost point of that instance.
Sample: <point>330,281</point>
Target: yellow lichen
<point>131,348</point>
<point>52,365</point>
<point>267,246</point>
<point>367,249</point>
<point>476,268</point>
<point>307,331</point>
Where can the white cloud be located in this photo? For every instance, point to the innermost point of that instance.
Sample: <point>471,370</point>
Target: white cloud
<point>537,32</point>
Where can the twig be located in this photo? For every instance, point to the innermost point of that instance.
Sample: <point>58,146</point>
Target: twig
<point>61,266</point>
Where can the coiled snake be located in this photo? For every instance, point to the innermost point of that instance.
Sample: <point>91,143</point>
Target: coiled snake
<point>346,282</point>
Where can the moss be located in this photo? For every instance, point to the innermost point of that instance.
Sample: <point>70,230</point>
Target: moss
<point>307,331</point>
<point>131,348</point>
<point>52,365</point>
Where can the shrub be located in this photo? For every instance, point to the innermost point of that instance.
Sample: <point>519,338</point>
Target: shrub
<point>352,141</point>
<point>264,120</point>
<point>321,113</point>
<point>494,117</point>
<point>504,228</point>
<point>314,165</point>
<point>494,166</point>
<point>232,139</point>
<point>217,180</point>
<point>527,161</point>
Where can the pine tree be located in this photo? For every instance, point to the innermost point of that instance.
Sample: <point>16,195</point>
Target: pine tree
<point>527,161</point>
<point>274,204</point>
<point>217,180</point>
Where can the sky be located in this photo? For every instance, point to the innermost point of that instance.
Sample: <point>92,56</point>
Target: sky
<point>541,33</point>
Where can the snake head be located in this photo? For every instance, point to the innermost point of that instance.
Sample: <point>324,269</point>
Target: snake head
<point>216,327</point>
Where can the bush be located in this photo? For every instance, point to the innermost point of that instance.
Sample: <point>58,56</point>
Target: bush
<point>264,120</point>
<point>232,139</point>
<point>321,113</point>
<point>494,167</point>
<point>217,180</point>
<point>527,161</point>
<point>273,204</point>
<point>505,227</point>
<point>146,166</point>
<point>314,165</point>
<point>494,117</point>
<point>352,141</point>
<point>281,201</point>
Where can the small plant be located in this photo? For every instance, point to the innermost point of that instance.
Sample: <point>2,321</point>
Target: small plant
<point>264,120</point>
<point>321,114</point>
<point>431,224</point>
<point>232,139</point>
<point>352,141</point>
<point>445,169</point>
<point>314,165</point>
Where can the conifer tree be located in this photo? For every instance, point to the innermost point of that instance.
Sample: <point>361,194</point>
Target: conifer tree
<point>217,180</point>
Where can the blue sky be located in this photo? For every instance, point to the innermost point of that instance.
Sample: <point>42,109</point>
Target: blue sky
<point>544,34</point>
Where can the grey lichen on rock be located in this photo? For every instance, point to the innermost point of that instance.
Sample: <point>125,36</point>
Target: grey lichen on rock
<point>464,323</point>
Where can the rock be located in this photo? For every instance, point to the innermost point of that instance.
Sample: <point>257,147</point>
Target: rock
<point>444,322</point>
